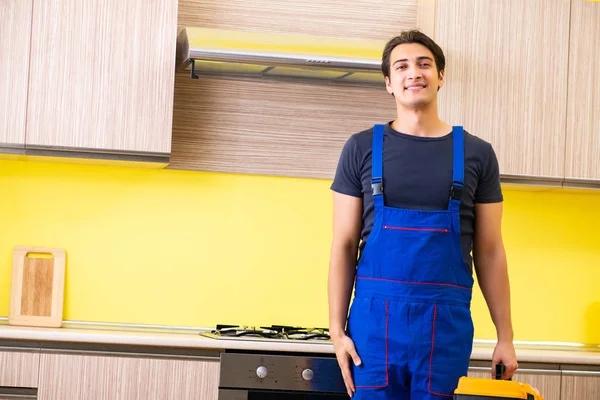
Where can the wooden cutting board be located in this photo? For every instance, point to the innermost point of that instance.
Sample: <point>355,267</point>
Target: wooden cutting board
<point>37,288</point>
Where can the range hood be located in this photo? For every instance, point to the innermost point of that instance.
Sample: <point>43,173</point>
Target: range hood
<point>210,52</point>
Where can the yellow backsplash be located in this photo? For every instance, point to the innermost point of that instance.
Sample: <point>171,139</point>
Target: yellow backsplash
<point>166,247</point>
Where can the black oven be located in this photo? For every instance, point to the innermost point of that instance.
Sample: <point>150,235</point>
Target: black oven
<point>249,376</point>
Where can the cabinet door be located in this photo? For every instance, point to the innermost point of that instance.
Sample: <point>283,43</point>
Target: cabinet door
<point>102,75</point>
<point>480,372</point>
<point>580,385</point>
<point>15,35</point>
<point>19,368</point>
<point>98,377</point>
<point>583,113</point>
<point>506,78</point>
<point>546,381</point>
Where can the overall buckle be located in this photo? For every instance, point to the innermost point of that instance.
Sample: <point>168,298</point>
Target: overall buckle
<point>456,191</point>
<point>377,186</point>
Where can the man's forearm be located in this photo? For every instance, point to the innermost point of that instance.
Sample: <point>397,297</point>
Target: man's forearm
<point>342,270</point>
<point>493,279</point>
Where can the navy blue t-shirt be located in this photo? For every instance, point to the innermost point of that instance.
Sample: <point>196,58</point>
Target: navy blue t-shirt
<point>417,174</point>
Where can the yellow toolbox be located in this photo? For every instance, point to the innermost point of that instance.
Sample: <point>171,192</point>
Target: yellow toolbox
<point>494,389</point>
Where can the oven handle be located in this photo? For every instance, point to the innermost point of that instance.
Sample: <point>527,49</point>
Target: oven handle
<point>228,394</point>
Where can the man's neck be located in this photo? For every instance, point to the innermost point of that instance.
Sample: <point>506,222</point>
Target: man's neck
<point>420,122</point>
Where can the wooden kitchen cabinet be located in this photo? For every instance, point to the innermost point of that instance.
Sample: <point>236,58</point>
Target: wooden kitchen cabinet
<point>547,381</point>
<point>101,76</point>
<point>506,78</point>
<point>479,372</point>
<point>583,110</point>
<point>580,385</point>
<point>97,377</point>
<point>15,35</point>
<point>19,367</point>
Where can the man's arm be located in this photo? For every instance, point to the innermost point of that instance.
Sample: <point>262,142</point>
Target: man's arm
<point>347,223</point>
<point>489,258</point>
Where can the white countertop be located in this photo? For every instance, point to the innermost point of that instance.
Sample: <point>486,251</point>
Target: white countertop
<point>194,339</point>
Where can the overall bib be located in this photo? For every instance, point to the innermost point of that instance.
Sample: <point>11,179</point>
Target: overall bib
<point>410,318</point>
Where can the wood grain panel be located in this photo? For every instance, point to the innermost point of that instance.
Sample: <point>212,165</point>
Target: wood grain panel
<point>506,75</point>
<point>580,387</point>
<point>480,373</point>
<point>364,19</point>
<point>426,17</point>
<point>583,115</point>
<point>269,127</point>
<point>37,286</point>
<point>548,383</point>
<point>15,36</point>
<point>102,75</point>
<point>19,368</point>
<point>91,377</point>
<point>38,276</point>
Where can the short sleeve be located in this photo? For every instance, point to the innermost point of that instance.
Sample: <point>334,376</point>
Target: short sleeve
<point>489,189</point>
<point>347,174</point>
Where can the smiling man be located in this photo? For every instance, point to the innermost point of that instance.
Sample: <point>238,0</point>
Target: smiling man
<point>413,199</point>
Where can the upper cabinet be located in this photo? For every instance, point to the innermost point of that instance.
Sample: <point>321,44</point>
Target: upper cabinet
<point>15,35</point>
<point>101,76</point>
<point>506,78</point>
<point>583,112</point>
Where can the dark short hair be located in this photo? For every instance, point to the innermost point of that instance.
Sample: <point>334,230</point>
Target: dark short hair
<point>412,36</point>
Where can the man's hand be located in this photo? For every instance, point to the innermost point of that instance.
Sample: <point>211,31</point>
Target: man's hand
<point>505,353</point>
<point>344,351</point>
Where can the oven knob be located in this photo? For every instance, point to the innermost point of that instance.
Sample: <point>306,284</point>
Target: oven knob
<point>261,372</point>
<point>307,374</point>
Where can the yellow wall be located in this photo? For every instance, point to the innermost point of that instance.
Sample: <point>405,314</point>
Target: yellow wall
<point>189,248</point>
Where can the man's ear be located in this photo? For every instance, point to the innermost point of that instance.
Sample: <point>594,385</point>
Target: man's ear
<point>442,81</point>
<point>388,85</point>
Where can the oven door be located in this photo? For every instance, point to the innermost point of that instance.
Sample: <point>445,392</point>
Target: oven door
<point>249,376</point>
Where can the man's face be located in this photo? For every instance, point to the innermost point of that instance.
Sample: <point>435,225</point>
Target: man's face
<point>414,79</point>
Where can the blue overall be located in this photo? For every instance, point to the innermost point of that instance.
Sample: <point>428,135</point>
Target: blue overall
<point>410,318</point>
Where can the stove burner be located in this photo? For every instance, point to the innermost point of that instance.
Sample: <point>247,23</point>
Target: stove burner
<point>237,331</point>
<point>273,332</point>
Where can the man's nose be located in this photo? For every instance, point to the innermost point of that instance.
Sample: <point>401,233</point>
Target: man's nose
<point>414,72</point>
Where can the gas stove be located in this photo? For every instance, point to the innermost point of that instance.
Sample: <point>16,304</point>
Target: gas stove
<point>279,333</point>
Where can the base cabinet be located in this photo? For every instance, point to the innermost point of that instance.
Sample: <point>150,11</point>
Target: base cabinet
<point>580,385</point>
<point>53,374</point>
<point>100,377</point>
<point>19,368</point>
<point>546,381</point>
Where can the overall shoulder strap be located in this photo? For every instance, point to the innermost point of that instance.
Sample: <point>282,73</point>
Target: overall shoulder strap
<point>377,165</point>
<point>458,168</point>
